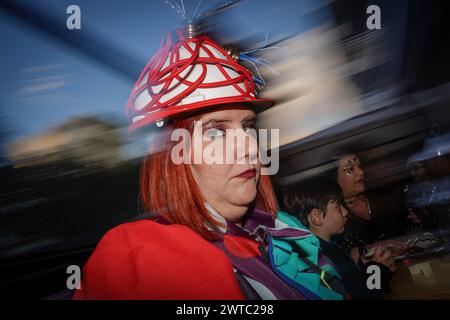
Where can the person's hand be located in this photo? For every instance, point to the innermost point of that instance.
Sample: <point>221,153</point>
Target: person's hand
<point>384,256</point>
<point>396,246</point>
<point>413,217</point>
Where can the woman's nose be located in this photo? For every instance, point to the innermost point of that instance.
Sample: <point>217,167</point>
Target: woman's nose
<point>246,145</point>
<point>360,172</point>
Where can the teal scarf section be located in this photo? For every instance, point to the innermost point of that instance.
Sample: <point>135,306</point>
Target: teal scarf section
<point>288,249</point>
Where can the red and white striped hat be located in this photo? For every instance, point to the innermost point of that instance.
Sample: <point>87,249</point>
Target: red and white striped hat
<point>185,77</point>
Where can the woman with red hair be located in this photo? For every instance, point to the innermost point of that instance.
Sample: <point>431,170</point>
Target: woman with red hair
<point>216,233</point>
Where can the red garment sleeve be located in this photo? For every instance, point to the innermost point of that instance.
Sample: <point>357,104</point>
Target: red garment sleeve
<point>147,260</point>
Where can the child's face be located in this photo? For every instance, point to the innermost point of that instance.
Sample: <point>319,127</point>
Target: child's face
<point>335,218</point>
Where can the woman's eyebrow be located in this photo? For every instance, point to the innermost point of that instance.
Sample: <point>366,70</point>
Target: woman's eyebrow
<point>249,119</point>
<point>246,119</point>
<point>207,122</point>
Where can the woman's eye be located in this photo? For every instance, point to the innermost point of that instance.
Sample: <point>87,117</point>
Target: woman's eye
<point>250,130</point>
<point>348,171</point>
<point>214,133</point>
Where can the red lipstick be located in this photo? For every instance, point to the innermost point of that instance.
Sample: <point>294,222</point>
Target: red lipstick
<point>247,174</point>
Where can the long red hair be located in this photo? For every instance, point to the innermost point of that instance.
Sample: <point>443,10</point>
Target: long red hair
<point>170,190</point>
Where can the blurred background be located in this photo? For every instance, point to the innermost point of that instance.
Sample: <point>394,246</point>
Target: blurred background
<point>69,168</point>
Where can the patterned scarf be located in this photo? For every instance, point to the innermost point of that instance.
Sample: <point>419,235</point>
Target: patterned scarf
<point>278,258</point>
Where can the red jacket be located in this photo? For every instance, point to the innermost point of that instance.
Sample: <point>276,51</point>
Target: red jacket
<point>148,260</point>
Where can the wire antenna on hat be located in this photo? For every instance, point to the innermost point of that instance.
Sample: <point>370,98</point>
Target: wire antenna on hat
<point>246,57</point>
<point>192,22</point>
<point>218,10</point>
<point>180,10</point>
<point>196,9</point>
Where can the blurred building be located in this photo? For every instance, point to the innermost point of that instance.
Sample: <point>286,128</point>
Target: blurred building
<point>86,141</point>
